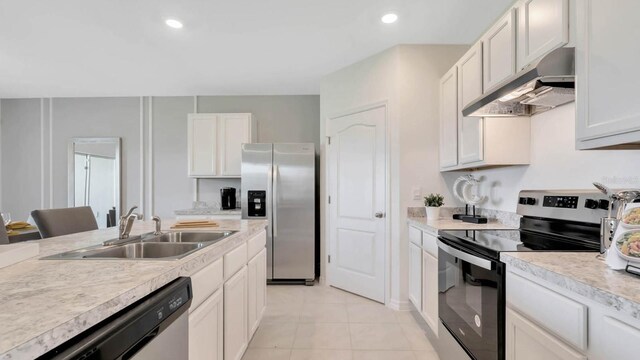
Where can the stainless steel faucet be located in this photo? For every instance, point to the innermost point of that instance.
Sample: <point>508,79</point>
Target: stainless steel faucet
<point>126,222</point>
<point>158,225</point>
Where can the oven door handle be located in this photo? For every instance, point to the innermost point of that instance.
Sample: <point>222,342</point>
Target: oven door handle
<point>483,263</point>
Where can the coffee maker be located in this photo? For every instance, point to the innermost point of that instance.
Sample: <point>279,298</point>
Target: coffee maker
<point>228,198</point>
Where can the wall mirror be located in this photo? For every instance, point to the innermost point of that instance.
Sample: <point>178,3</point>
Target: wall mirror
<point>94,177</point>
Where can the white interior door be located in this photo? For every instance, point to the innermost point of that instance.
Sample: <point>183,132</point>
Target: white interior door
<point>357,186</point>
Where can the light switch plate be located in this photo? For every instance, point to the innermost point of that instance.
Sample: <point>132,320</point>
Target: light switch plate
<point>417,193</point>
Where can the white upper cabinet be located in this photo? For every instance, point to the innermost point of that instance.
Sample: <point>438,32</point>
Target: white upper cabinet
<point>607,58</point>
<point>202,139</point>
<point>499,51</point>
<point>470,136</point>
<point>471,142</point>
<point>449,119</point>
<point>543,25</point>
<point>214,143</point>
<point>233,131</point>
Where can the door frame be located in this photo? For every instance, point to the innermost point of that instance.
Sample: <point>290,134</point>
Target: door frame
<point>327,177</point>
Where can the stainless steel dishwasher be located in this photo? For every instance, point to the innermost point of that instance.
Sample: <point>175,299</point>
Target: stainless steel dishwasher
<point>154,328</point>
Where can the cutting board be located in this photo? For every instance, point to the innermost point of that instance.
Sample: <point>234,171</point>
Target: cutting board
<point>14,253</point>
<point>191,224</point>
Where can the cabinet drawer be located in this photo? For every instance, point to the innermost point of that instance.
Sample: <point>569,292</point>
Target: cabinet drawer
<point>525,340</point>
<point>205,282</point>
<point>560,315</point>
<point>256,244</point>
<point>235,260</point>
<point>415,235</point>
<point>622,339</point>
<point>430,244</point>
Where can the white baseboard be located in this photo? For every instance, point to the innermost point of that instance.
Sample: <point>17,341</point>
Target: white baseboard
<point>322,280</point>
<point>399,305</point>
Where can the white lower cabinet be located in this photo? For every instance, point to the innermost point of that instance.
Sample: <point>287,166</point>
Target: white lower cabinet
<point>206,329</point>
<point>621,340</point>
<point>415,275</point>
<point>545,321</point>
<point>423,275</point>
<point>527,341</point>
<point>257,290</point>
<point>224,315</point>
<point>430,290</point>
<point>235,316</point>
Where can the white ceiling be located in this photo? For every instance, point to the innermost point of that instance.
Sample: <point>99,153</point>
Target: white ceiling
<point>57,48</point>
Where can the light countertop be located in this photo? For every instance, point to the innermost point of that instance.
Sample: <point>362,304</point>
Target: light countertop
<point>583,274</point>
<point>450,224</point>
<point>208,211</point>
<point>47,302</point>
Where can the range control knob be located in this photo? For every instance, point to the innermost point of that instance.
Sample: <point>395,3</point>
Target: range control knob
<point>603,204</point>
<point>527,201</point>
<point>591,204</point>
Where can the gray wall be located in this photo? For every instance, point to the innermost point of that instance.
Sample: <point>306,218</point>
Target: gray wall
<point>96,117</point>
<point>33,169</point>
<point>21,149</point>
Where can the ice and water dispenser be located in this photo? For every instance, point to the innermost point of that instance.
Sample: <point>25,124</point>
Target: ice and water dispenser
<point>257,206</point>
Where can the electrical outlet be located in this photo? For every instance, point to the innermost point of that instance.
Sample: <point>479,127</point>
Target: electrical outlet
<point>417,193</point>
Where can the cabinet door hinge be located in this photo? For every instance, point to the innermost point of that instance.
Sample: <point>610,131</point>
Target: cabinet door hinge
<point>329,259</point>
<point>329,199</point>
<point>328,140</point>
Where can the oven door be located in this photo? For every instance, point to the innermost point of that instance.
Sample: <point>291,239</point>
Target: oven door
<point>471,300</point>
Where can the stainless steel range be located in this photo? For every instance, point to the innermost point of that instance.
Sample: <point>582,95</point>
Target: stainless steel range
<point>471,278</point>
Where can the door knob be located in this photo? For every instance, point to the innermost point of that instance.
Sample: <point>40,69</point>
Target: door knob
<point>379,215</point>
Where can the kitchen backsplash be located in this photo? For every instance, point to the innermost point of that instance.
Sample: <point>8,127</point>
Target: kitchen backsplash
<point>504,217</point>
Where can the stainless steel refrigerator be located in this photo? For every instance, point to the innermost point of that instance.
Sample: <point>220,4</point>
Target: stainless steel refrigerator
<point>278,184</point>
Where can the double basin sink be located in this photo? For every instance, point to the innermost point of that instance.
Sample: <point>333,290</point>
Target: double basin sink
<point>166,246</point>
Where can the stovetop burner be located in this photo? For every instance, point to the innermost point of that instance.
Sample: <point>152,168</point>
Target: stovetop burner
<point>553,220</point>
<point>492,242</point>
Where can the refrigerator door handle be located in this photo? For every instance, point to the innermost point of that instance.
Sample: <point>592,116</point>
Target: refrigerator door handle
<point>274,212</point>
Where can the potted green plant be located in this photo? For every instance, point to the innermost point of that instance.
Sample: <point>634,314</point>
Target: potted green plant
<point>432,204</point>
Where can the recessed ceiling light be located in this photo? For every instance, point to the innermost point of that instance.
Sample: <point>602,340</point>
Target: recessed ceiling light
<point>389,18</point>
<point>173,23</point>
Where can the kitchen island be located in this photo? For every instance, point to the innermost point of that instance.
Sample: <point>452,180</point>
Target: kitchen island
<point>47,302</point>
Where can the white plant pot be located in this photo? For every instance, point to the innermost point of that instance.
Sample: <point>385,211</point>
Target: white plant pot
<point>433,213</point>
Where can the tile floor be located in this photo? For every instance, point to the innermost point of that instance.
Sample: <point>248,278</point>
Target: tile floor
<point>321,322</point>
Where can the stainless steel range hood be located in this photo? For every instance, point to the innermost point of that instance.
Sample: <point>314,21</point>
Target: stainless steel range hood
<point>543,85</point>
